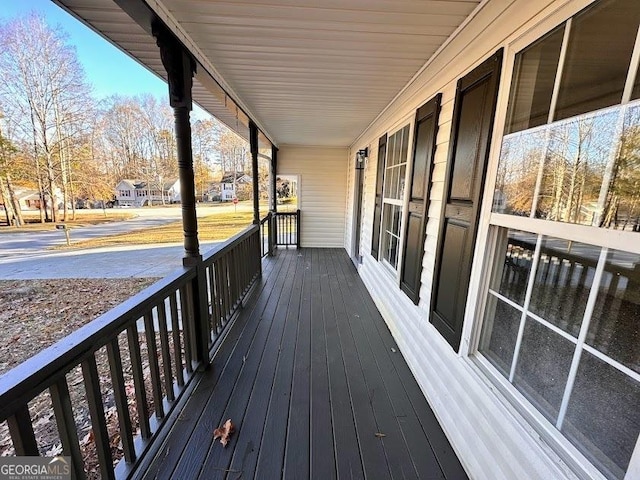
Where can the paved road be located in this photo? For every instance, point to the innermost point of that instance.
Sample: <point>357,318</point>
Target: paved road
<point>22,244</point>
<point>108,262</point>
<point>27,255</point>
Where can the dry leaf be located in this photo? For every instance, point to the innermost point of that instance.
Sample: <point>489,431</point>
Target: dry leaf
<point>224,432</point>
<point>380,435</point>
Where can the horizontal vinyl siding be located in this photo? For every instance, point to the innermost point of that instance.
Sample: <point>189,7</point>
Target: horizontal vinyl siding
<point>322,191</point>
<point>493,440</point>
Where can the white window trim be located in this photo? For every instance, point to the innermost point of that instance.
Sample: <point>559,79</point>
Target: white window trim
<point>483,261</point>
<point>403,203</point>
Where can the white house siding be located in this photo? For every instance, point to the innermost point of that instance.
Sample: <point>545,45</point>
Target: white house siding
<point>493,440</point>
<point>322,191</point>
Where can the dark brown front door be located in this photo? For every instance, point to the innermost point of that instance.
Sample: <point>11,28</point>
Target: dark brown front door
<point>468,153</point>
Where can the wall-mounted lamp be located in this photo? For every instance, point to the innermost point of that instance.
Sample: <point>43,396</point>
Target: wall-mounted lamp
<point>361,157</point>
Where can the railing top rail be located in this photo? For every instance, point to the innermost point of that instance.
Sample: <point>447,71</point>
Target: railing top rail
<point>266,218</point>
<point>30,377</point>
<point>220,249</point>
<point>287,214</point>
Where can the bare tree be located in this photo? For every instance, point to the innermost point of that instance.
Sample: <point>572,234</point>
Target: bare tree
<point>7,193</point>
<point>46,97</point>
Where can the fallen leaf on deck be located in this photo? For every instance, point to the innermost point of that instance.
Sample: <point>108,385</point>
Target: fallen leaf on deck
<point>224,432</point>
<point>380,435</point>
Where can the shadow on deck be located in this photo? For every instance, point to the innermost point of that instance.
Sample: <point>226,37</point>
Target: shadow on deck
<point>315,385</point>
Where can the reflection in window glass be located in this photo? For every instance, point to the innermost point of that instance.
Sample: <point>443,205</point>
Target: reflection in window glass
<point>574,169</point>
<point>603,417</point>
<point>615,324</point>
<point>520,159</point>
<point>533,79</point>
<point>543,367</point>
<point>595,73</point>
<point>500,333</point>
<point>563,280</point>
<point>621,205</point>
<point>513,265</point>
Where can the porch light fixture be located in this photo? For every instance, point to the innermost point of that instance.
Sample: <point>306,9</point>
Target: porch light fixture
<point>361,157</point>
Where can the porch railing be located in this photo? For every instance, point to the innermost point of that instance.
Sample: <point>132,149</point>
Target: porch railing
<point>267,234</point>
<point>135,362</point>
<point>287,228</point>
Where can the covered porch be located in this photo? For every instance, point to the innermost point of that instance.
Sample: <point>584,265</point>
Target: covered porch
<point>426,360</point>
<point>314,384</point>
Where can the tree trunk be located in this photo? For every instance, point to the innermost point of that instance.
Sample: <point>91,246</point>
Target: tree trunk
<point>8,206</point>
<point>41,206</point>
<point>6,210</point>
<point>51,183</point>
<point>15,203</point>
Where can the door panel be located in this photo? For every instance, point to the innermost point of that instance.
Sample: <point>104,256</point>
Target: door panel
<point>422,166</point>
<point>468,154</point>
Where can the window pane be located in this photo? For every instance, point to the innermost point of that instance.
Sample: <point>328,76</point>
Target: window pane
<point>576,160</point>
<point>533,78</point>
<point>603,417</point>
<point>520,159</point>
<point>598,55</point>
<point>621,208</point>
<point>391,229</point>
<point>390,182</point>
<point>543,367</point>
<point>513,265</point>
<point>405,144</point>
<point>615,324</point>
<point>563,281</point>
<point>402,170</point>
<point>499,333</point>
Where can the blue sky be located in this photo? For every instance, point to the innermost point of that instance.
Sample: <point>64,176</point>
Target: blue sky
<point>109,70</point>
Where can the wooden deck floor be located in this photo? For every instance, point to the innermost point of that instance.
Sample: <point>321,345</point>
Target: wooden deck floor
<point>315,385</point>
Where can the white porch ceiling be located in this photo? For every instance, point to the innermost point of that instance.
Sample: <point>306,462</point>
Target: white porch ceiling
<point>311,72</point>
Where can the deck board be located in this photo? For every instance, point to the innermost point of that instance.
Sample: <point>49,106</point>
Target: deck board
<point>311,377</point>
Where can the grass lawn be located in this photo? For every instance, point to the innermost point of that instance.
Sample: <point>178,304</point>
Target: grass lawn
<point>82,218</point>
<point>218,226</point>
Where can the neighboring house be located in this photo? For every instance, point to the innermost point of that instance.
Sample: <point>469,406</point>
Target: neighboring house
<point>135,193</point>
<point>172,189</point>
<point>227,189</point>
<point>29,198</point>
<point>212,192</point>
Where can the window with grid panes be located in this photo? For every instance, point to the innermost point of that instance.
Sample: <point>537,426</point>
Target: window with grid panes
<point>562,310</point>
<point>393,196</point>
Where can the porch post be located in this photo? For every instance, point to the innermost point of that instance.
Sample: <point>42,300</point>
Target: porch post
<point>180,68</point>
<point>274,174</point>
<point>253,142</point>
